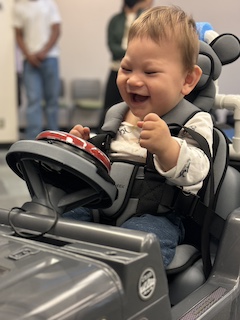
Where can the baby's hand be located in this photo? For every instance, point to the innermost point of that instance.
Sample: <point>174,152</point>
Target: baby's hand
<point>155,133</point>
<point>80,132</point>
<point>156,138</point>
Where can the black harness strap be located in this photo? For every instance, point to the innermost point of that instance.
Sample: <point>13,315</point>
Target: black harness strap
<point>152,188</point>
<point>155,191</point>
<point>209,210</point>
<point>103,141</point>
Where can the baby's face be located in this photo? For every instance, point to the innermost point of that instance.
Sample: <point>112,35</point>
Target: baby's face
<point>151,77</point>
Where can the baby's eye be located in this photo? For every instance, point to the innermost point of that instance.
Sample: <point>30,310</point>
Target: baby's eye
<point>150,72</point>
<point>125,69</point>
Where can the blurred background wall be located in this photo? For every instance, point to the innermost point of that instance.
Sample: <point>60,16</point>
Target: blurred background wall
<point>84,50</point>
<point>8,129</point>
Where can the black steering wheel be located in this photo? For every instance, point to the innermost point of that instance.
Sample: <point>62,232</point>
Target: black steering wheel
<point>63,172</point>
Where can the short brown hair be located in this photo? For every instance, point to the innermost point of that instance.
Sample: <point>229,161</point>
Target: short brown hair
<point>169,23</point>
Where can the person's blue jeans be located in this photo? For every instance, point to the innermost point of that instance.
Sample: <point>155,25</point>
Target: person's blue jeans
<point>42,86</point>
<point>168,228</point>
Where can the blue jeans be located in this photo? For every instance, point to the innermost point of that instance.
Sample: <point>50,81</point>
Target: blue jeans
<point>42,84</point>
<point>168,228</point>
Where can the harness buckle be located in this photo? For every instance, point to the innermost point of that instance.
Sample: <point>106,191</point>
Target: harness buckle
<point>186,203</point>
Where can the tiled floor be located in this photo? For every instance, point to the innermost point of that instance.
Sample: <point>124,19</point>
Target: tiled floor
<point>13,190</point>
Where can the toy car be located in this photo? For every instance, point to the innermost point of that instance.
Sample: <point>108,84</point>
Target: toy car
<point>56,268</point>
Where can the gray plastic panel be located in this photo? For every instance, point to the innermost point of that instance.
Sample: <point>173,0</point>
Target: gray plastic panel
<point>38,282</point>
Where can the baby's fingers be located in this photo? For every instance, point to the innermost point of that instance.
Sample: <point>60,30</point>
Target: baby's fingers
<point>80,131</point>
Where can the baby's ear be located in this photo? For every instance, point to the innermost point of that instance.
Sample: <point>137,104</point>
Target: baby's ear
<point>191,80</point>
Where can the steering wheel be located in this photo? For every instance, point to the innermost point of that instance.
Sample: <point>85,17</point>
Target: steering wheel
<point>63,171</point>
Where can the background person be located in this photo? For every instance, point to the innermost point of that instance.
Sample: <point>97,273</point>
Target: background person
<point>117,32</point>
<point>37,28</point>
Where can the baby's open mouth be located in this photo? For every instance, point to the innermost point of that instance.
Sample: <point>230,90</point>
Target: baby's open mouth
<point>139,98</point>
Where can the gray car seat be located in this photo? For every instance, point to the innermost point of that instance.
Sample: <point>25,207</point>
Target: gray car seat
<point>187,259</point>
<point>185,273</point>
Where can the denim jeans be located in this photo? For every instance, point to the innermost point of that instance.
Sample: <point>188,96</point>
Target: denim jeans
<point>42,85</point>
<point>168,228</point>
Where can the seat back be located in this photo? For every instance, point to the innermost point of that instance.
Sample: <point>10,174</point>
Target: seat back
<point>223,50</point>
<point>187,258</point>
<point>87,103</point>
<point>187,263</point>
<point>86,88</point>
<point>186,270</point>
<point>64,111</point>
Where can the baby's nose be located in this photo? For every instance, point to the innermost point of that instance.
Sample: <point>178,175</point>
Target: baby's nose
<point>134,81</point>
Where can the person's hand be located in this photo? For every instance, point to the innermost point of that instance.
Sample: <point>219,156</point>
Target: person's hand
<point>80,132</point>
<point>33,60</point>
<point>156,138</point>
<point>41,55</point>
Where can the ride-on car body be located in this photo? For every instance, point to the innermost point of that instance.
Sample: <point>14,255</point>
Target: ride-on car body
<point>57,268</point>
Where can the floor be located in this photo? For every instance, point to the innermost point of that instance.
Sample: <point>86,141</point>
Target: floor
<point>13,190</point>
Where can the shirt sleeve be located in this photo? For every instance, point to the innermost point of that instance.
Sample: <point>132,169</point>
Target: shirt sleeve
<point>55,15</point>
<point>17,21</point>
<point>193,165</point>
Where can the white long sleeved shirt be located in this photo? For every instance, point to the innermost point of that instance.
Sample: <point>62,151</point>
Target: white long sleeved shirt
<point>192,166</point>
